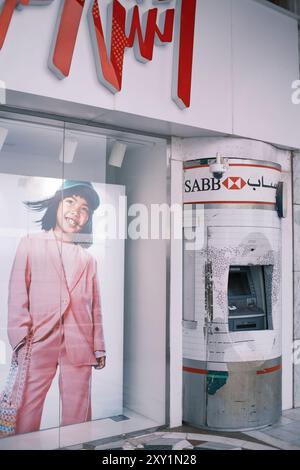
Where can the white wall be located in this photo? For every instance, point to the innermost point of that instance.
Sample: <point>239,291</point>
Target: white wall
<point>265,63</point>
<point>176,280</point>
<point>245,60</point>
<point>145,290</point>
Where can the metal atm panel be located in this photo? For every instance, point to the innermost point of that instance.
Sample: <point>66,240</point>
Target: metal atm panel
<point>244,334</point>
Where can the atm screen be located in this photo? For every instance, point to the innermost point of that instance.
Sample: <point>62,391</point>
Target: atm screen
<point>238,284</point>
<point>247,307</point>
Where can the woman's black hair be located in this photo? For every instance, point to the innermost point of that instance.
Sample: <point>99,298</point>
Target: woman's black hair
<point>50,206</point>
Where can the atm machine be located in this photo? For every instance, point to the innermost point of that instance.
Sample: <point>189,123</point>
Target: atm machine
<point>248,297</point>
<point>232,294</point>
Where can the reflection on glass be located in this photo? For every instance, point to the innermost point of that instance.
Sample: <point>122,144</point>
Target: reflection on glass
<point>53,238</point>
<point>238,284</point>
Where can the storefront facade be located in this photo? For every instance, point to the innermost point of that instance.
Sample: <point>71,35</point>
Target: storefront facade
<point>216,80</point>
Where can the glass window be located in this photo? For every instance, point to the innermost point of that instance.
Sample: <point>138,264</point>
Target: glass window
<point>84,270</point>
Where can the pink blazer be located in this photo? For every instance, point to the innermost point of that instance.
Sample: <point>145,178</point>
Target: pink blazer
<point>39,298</point>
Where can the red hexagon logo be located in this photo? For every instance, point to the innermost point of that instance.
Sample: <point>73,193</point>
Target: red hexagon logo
<point>234,182</point>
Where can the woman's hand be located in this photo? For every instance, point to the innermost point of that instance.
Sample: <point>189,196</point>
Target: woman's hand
<point>101,363</point>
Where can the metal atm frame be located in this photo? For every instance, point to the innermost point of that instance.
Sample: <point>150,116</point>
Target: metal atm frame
<point>232,296</point>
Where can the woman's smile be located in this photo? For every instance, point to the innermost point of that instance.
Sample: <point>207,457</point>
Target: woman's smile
<point>72,222</point>
<point>72,215</point>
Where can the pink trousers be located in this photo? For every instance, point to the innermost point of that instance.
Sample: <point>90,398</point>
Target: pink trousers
<point>74,385</point>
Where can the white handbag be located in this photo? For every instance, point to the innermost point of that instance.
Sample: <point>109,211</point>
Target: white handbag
<point>10,401</point>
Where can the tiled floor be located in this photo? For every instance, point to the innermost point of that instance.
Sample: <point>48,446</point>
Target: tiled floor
<point>76,434</point>
<point>285,434</point>
<point>130,434</point>
<point>175,441</point>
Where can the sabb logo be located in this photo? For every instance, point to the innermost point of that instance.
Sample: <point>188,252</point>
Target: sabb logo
<point>202,185</point>
<point>234,182</point>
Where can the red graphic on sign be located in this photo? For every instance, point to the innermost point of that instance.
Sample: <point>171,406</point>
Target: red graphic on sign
<point>234,182</point>
<point>66,37</point>
<point>112,70</point>
<point>6,15</point>
<point>110,57</point>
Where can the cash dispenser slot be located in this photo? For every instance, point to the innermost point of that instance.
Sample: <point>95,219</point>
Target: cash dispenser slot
<point>249,298</point>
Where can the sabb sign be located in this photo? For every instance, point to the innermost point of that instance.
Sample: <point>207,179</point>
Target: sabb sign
<point>126,28</point>
<point>245,182</point>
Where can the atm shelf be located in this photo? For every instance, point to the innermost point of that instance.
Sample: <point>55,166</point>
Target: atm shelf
<point>254,315</point>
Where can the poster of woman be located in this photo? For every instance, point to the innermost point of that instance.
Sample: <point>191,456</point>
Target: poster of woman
<point>55,294</point>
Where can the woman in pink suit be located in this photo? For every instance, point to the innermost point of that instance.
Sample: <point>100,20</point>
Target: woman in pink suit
<point>54,295</point>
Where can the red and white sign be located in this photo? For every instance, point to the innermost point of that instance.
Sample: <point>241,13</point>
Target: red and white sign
<point>242,183</point>
<point>234,182</point>
<point>125,29</point>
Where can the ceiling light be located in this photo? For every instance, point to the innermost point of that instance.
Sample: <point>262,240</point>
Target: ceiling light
<point>117,154</point>
<point>2,92</point>
<point>3,134</point>
<point>68,150</point>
